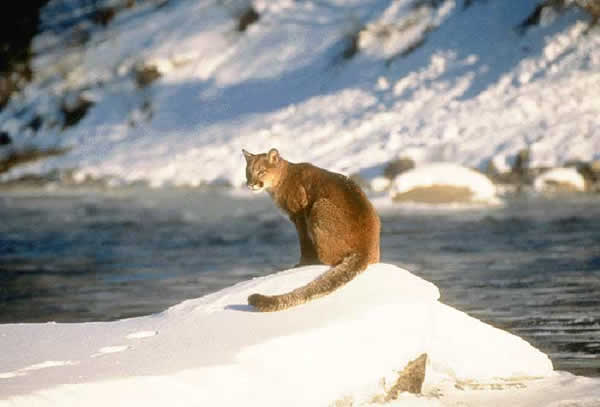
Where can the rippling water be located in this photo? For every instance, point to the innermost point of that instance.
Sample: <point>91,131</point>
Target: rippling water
<point>531,267</point>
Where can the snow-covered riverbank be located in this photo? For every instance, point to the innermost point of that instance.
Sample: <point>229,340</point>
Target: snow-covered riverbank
<point>170,94</point>
<point>345,348</point>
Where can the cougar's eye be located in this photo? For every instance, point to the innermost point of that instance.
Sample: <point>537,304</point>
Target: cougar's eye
<point>261,173</point>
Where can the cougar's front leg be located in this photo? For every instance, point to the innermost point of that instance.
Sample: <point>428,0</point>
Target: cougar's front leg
<point>308,254</point>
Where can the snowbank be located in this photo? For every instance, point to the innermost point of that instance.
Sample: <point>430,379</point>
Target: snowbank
<point>216,351</point>
<point>557,178</point>
<point>443,183</point>
<point>423,82</point>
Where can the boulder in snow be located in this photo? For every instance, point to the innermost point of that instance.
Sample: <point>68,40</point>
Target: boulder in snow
<point>560,180</point>
<point>398,166</point>
<point>247,18</point>
<point>146,74</point>
<point>104,15</point>
<point>443,183</point>
<point>410,379</point>
<point>590,171</point>
<point>74,107</point>
<point>380,184</point>
<point>4,138</point>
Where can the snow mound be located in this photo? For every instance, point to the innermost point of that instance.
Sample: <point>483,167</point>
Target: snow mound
<point>380,184</point>
<point>443,183</point>
<point>217,351</point>
<point>560,178</point>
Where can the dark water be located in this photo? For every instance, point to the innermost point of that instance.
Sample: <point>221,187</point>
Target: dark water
<point>531,267</point>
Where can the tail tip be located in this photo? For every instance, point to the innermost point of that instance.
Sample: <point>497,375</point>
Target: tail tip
<point>262,303</point>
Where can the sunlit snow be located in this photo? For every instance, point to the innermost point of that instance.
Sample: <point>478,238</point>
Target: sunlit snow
<point>216,350</point>
<point>448,84</point>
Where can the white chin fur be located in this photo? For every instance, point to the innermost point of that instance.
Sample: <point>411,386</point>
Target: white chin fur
<point>256,189</point>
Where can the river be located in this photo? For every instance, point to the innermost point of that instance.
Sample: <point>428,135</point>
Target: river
<point>530,266</point>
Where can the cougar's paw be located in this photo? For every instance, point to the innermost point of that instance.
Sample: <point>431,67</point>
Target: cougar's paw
<point>262,302</point>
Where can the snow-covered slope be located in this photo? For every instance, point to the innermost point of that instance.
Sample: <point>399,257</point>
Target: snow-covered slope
<point>347,85</point>
<point>216,351</point>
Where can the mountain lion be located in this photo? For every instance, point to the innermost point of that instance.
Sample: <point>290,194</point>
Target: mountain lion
<point>336,223</point>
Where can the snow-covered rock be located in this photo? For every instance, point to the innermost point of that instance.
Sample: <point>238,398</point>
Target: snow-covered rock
<point>559,179</point>
<point>217,351</point>
<point>380,184</point>
<point>443,183</point>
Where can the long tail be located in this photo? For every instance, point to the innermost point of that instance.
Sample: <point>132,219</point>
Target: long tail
<point>329,281</point>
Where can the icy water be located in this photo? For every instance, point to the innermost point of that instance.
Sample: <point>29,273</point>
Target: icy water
<point>531,267</point>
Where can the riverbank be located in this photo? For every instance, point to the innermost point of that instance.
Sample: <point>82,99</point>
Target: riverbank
<point>168,93</point>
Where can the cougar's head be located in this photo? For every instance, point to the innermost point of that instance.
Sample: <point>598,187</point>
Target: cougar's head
<point>262,170</point>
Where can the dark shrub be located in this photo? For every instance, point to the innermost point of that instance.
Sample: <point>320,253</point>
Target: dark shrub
<point>247,18</point>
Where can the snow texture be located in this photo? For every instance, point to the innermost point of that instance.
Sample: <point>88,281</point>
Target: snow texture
<point>218,351</point>
<point>433,81</point>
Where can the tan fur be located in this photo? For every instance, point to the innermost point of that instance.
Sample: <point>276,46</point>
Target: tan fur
<point>336,223</point>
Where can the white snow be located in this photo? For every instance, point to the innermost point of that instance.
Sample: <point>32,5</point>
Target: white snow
<point>349,345</point>
<point>550,178</point>
<point>379,184</point>
<point>110,349</point>
<point>446,174</point>
<point>472,91</point>
<point>141,334</point>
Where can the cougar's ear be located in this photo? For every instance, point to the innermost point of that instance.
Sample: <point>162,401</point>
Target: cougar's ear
<point>273,156</point>
<point>248,155</point>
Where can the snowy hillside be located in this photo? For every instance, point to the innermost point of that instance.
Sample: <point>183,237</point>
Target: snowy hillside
<point>169,92</point>
<point>344,349</point>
